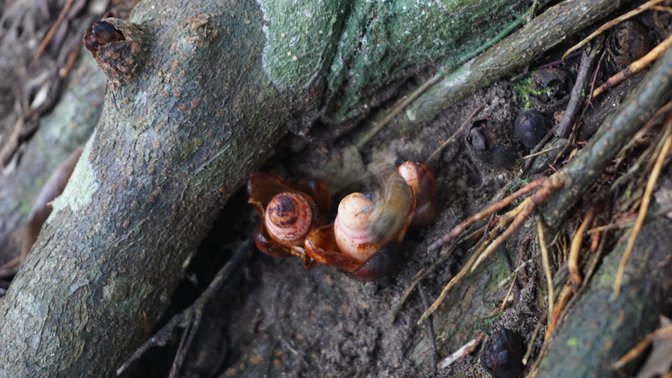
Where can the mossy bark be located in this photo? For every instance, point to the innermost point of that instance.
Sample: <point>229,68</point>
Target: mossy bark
<point>200,107</point>
<point>600,329</point>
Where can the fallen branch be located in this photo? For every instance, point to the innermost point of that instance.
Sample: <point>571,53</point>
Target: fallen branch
<point>600,330</point>
<point>514,52</point>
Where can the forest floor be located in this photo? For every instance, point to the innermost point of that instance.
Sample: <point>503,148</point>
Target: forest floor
<point>273,317</point>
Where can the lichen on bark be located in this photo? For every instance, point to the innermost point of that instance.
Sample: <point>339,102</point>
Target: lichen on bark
<point>380,40</point>
<point>299,38</point>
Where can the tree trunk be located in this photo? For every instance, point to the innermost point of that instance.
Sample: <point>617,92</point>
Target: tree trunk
<point>198,95</point>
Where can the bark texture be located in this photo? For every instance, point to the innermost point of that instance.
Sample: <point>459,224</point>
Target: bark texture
<point>601,329</point>
<point>202,101</point>
<point>171,142</point>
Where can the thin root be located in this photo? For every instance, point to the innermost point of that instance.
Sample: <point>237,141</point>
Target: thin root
<point>545,262</point>
<point>434,155</point>
<point>575,249</point>
<point>52,31</point>
<point>659,334</point>
<point>549,185</point>
<point>504,202</point>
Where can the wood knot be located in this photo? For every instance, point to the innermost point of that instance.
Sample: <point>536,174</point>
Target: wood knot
<point>99,34</point>
<point>117,46</point>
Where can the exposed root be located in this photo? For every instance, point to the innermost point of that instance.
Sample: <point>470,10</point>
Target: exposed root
<point>52,30</point>
<point>546,187</point>
<point>190,318</point>
<point>659,334</point>
<point>532,343</point>
<point>558,309</point>
<point>495,207</point>
<point>430,334</point>
<point>437,152</point>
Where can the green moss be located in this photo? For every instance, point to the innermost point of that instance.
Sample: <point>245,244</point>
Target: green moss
<point>489,321</point>
<point>525,90</point>
<point>572,342</point>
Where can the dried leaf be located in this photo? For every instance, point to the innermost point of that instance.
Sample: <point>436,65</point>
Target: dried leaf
<point>660,359</point>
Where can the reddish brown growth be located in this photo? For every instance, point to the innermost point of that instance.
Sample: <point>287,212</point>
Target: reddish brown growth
<point>366,236</point>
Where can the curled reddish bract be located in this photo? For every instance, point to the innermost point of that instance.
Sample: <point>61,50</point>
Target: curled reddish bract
<point>287,211</point>
<point>421,180</point>
<point>365,238</point>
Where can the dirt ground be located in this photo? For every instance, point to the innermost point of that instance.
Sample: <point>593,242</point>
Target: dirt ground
<point>274,318</point>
